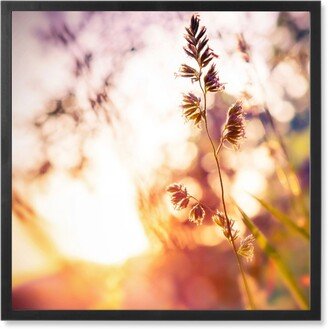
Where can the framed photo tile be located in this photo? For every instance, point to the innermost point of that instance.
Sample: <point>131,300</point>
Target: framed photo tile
<point>161,160</point>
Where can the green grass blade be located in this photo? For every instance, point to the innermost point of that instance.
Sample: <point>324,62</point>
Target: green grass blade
<point>283,218</point>
<point>284,272</point>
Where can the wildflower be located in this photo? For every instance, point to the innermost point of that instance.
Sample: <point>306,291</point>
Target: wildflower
<point>197,47</point>
<point>246,248</point>
<point>211,80</point>
<point>191,107</point>
<point>234,129</point>
<point>179,196</point>
<point>197,214</point>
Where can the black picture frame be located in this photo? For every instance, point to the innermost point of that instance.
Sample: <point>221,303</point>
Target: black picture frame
<point>7,313</point>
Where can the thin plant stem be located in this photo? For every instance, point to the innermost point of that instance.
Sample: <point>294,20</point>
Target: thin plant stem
<point>203,204</point>
<point>216,157</point>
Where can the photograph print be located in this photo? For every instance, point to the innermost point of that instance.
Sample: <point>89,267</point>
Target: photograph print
<point>161,161</point>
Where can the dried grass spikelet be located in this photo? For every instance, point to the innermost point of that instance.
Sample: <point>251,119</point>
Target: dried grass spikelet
<point>220,219</point>
<point>179,196</point>
<point>180,200</point>
<point>212,81</point>
<point>191,108</point>
<point>246,248</point>
<point>197,47</point>
<point>234,232</point>
<point>234,129</point>
<point>187,71</point>
<point>197,214</point>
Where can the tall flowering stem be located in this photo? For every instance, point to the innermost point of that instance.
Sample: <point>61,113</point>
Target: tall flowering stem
<point>195,110</point>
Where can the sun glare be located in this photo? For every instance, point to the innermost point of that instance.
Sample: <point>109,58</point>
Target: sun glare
<point>95,220</point>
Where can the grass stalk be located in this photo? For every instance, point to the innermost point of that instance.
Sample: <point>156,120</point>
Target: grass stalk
<point>216,152</point>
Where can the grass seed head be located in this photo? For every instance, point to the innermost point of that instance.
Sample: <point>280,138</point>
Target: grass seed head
<point>212,80</point>
<point>197,47</point>
<point>197,214</point>
<point>246,248</point>
<point>179,196</point>
<point>234,129</point>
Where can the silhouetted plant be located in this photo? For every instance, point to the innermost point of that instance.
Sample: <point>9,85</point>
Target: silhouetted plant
<point>233,132</point>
